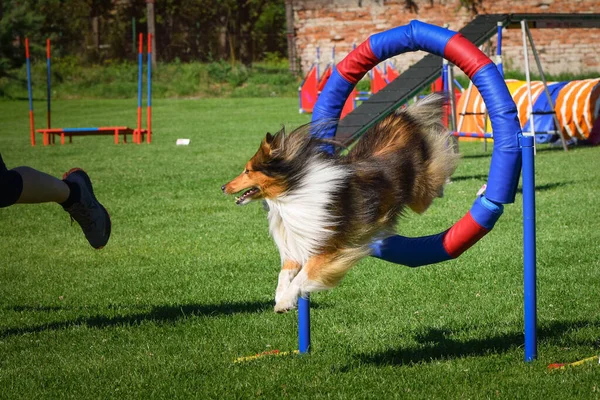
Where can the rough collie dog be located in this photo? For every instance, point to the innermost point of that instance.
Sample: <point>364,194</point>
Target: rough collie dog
<point>325,210</point>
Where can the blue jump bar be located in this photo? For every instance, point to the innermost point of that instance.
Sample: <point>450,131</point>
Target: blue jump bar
<point>473,135</point>
<point>80,129</point>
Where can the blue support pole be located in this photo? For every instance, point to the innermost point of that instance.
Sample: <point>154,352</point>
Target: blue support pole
<point>137,136</point>
<point>140,74</point>
<point>149,102</point>
<point>499,50</point>
<point>445,75</point>
<point>30,94</point>
<point>303,325</point>
<point>529,260</point>
<point>48,87</point>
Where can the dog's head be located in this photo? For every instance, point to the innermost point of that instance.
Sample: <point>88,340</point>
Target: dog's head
<point>266,174</point>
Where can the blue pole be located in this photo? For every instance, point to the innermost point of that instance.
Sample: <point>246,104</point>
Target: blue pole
<point>529,266</point>
<point>30,94</point>
<point>149,102</point>
<point>445,76</point>
<point>303,325</point>
<point>49,89</point>
<point>140,73</point>
<point>499,51</point>
<point>137,137</point>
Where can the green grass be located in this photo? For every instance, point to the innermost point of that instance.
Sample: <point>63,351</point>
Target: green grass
<point>71,80</point>
<point>186,283</point>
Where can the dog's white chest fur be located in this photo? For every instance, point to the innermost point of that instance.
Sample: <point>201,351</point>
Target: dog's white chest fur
<point>300,221</point>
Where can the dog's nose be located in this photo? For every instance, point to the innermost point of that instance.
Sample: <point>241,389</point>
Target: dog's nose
<point>223,188</point>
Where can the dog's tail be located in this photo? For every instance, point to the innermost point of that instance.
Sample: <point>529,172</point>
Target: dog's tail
<point>414,133</point>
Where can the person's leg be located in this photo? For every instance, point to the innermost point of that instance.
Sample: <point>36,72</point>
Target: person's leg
<point>39,187</point>
<point>26,185</point>
<point>11,186</point>
<point>74,193</point>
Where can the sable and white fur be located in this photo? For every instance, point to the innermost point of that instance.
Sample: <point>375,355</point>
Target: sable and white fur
<point>325,210</point>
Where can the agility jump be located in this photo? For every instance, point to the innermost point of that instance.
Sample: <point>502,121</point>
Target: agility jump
<point>511,148</point>
<point>49,133</point>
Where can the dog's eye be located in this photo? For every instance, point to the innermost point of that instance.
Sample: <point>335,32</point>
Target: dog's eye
<point>246,171</point>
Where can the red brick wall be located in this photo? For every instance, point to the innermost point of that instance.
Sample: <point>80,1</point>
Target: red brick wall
<point>325,23</point>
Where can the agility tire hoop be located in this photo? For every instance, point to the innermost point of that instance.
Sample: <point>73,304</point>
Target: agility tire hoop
<point>505,166</point>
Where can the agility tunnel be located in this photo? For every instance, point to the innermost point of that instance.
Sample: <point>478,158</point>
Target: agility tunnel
<point>576,105</point>
<point>511,148</point>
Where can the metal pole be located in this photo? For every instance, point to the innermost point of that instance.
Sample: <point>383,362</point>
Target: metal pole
<point>548,95</point>
<point>529,250</point>
<point>452,96</point>
<point>31,122</point>
<point>528,78</point>
<point>452,104</point>
<point>318,62</point>
<point>303,324</point>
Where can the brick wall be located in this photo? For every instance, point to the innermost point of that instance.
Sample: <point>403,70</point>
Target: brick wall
<point>340,23</point>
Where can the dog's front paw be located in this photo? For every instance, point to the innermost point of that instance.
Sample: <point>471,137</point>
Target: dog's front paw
<point>285,305</point>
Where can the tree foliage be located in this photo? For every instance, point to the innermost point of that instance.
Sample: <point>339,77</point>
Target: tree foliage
<point>16,21</point>
<point>186,30</point>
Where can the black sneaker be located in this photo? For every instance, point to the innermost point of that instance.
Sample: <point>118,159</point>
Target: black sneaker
<point>87,211</point>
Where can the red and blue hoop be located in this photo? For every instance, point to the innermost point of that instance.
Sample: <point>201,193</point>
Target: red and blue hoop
<point>505,165</point>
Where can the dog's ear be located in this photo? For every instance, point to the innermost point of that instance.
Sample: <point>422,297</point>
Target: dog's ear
<point>266,144</point>
<point>269,138</point>
<point>274,143</point>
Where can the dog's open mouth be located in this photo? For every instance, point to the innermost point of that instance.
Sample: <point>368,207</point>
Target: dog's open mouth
<point>246,197</point>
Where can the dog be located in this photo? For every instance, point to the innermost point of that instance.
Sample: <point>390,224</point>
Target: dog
<point>325,210</point>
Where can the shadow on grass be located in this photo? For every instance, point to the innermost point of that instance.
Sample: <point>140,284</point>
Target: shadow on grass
<point>478,155</point>
<point>548,186</point>
<point>468,177</point>
<point>538,188</point>
<point>160,314</point>
<point>437,345</point>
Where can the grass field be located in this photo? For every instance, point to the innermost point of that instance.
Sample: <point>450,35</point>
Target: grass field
<point>186,283</point>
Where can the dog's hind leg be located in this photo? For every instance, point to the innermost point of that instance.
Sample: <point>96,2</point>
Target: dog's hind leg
<point>288,272</point>
<point>321,272</point>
